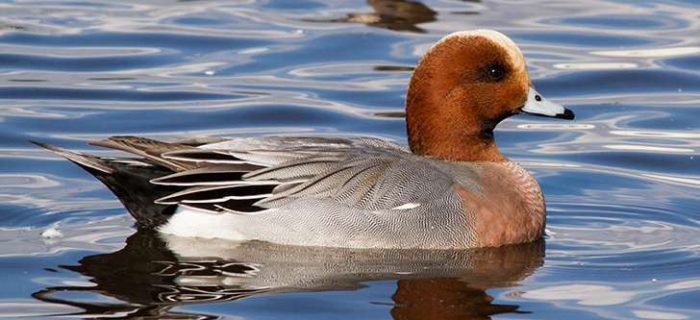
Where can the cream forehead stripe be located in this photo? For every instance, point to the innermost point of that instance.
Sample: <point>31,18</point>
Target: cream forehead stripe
<point>502,40</point>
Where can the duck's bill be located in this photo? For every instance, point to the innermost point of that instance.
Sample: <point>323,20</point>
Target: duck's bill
<point>538,105</point>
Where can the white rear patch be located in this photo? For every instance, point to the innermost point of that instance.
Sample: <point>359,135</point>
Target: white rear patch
<point>188,222</point>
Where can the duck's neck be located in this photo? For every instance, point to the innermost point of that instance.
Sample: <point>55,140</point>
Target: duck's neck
<point>457,137</point>
<point>465,148</point>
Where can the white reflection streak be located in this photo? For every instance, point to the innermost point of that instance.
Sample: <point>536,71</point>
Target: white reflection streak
<point>584,294</point>
<point>91,235</point>
<point>589,135</point>
<point>649,53</point>
<point>595,66</point>
<point>661,315</point>
<point>23,181</point>
<point>655,134</point>
<point>675,180</point>
<point>629,147</point>
<point>683,285</point>
<point>540,164</point>
<point>595,294</point>
<point>20,308</point>
<point>611,236</point>
<point>78,51</point>
<point>556,126</point>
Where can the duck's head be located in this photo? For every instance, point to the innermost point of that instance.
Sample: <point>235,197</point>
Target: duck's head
<point>462,88</point>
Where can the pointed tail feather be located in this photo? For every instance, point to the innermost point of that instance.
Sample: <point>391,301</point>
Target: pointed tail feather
<point>147,148</point>
<point>129,181</point>
<point>83,160</point>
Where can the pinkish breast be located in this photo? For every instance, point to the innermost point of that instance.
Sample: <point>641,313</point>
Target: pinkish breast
<point>509,208</point>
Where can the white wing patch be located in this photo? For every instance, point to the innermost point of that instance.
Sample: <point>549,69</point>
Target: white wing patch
<point>407,206</point>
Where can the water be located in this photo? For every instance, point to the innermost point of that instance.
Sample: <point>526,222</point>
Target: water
<point>621,181</point>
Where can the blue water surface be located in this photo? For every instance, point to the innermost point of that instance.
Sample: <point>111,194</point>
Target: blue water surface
<point>622,181</point>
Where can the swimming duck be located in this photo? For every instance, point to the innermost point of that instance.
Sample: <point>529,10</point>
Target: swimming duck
<point>452,188</point>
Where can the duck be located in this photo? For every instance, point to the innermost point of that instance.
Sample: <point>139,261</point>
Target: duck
<point>450,188</point>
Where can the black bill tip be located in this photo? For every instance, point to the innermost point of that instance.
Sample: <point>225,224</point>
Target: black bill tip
<point>567,115</point>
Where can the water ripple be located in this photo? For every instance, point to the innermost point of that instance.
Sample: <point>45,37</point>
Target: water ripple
<point>621,181</point>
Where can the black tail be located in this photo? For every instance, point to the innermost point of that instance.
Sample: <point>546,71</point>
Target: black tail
<point>129,181</point>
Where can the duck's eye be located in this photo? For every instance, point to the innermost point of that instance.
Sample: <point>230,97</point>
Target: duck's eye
<point>494,73</point>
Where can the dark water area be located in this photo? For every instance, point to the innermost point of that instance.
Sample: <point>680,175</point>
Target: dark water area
<point>622,181</point>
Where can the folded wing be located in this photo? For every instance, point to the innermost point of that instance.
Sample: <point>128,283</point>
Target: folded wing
<point>249,175</point>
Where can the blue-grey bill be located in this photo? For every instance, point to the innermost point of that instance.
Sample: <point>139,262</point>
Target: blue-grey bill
<point>536,104</point>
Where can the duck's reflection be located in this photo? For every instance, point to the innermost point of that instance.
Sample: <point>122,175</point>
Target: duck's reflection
<point>398,15</point>
<point>151,275</point>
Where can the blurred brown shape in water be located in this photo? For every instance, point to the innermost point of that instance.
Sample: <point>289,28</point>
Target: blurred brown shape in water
<point>466,297</point>
<point>402,15</point>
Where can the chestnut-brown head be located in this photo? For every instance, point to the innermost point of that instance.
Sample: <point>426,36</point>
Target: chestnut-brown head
<point>462,88</point>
